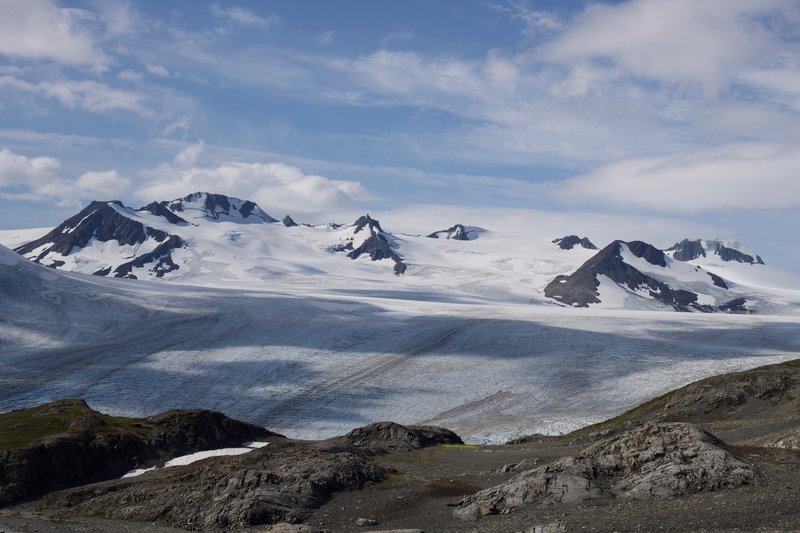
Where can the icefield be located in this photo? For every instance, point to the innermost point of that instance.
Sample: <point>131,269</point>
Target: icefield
<point>316,360</point>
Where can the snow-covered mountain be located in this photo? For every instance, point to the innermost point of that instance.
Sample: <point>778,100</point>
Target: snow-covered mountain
<point>637,274</point>
<point>725,250</point>
<point>215,240</point>
<point>458,233</point>
<point>571,241</point>
<point>201,234</point>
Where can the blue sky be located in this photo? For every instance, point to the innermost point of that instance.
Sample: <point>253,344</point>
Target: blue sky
<point>684,110</point>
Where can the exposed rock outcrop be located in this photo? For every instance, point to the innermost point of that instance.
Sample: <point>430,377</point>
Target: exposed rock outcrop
<point>390,436</point>
<point>282,482</point>
<point>571,241</point>
<point>219,207</point>
<point>289,222</point>
<point>455,233</point>
<point>104,222</point>
<point>376,246</point>
<point>653,461</point>
<point>66,443</point>
<point>691,249</point>
<point>581,288</point>
<point>99,220</point>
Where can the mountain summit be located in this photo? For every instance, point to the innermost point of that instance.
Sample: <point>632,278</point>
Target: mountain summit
<point>725,250</point>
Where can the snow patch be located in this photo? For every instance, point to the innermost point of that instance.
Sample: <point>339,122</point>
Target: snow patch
<point>199,456</point>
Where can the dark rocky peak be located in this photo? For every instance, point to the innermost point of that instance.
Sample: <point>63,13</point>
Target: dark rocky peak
<point>220,207</point>
<point>368,222</point>
<point>99,220</point>
<point>571,241</point>
<point>690,249</point>
<point>377,247</point>
<point>687,249</point>
<point>580,288</point>
<point>727,253</point>
<point>289,222</point>
<point>456,233</point>
<point>160,209</point>
<point>648,252</point>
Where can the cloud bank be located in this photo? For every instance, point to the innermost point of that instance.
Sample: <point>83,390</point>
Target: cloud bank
<point>743,176</point>
<point>276,187</point>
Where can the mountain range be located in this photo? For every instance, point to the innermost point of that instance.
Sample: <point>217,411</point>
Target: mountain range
<point>213,239</point>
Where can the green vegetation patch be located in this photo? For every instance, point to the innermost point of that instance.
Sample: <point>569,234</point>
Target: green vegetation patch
<point>28,426</point>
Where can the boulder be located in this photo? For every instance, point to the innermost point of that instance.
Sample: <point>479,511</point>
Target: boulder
<point>653,461</point>
<point>390,436</point>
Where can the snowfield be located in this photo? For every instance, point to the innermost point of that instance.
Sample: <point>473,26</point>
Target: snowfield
<point>314,356</point>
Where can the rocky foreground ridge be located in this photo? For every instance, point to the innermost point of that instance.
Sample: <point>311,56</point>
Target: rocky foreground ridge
<point>66,443</point>
<point>718,454</point>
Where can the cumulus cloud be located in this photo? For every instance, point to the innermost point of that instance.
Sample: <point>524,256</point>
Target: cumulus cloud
<point>38,179</point>
<point>39,29</point>
<point>738,176</point>
<point>680,41</point>
<point>276,187</point>
<point>20,170</point>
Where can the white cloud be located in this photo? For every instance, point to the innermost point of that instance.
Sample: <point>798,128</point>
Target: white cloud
<point>680,41</point>
<point>39,29</point>
<point>38,179</point>
<point>87,94</point>
<point>189,155</point>
<point>19,170</point>
<point>108,184</point>
<point>157,70</point>
<point>739,176</point>
<point>244,16</point>
<point>276,187</point>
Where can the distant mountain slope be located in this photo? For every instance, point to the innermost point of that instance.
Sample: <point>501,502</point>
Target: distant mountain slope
<point>107,238</point>
<point>691,249</point>
<point>216,240</point>
<point>646,275</point>
<point>202,236</point>
<point>457,232</point>
<point>571,241</point>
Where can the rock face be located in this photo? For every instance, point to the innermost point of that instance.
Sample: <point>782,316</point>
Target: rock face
<point>390,436</point>
<point>160,209</point>
<point>103,222</point>
<point>791,442</point>
<point>279,483</point>
<point>691,249</point>
<point>289,222</point>
<point>219,207</point>
<point>69,444</point>
<point>456,233</point>
<point>571,241</point>
<point>580,288</point>
<point>376,245</point>
<point>653,461</point>
<point>123,240</point>
<point>282,482</point>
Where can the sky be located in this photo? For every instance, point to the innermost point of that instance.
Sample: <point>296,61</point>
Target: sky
<point>682,112</point>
